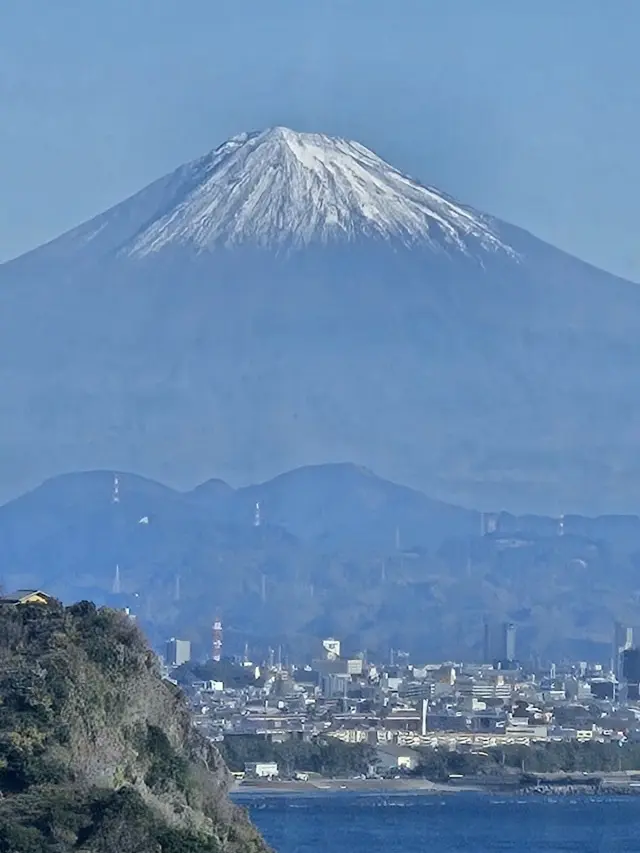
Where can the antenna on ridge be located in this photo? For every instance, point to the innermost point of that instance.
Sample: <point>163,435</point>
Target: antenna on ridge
<point>115,499</point>
<point>177,589</point>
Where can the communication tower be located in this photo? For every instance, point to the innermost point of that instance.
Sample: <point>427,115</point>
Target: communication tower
<point>217,639</point>
<point>115,500</point>
<point>257,518</point>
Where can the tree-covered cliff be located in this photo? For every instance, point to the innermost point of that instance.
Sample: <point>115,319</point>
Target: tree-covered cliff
<point>97,752</point>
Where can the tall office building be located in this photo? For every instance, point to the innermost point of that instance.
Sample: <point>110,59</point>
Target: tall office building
<point>499,642</point>
<point>622,641</point>
<point>177,652</point>
<point>509,641</point>
<point>631,673</point>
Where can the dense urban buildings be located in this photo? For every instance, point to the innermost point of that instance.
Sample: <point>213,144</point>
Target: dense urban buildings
<point>401,706</point>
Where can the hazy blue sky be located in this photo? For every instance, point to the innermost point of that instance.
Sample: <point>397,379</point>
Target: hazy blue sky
<point>528,110</point>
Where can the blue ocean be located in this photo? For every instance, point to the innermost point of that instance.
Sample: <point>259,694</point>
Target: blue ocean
<point>464,823</point>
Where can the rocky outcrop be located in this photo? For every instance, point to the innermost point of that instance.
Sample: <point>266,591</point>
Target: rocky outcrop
<point>88,724</point>
<point>592,788</point>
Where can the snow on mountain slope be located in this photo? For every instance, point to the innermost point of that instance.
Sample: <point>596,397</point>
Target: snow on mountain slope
<point>281,189</point>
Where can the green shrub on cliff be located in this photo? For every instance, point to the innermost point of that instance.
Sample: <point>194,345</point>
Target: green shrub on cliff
<point>552,757</point>
<point>324,755</point>
<point>96,821</point>
<point>97,753</point>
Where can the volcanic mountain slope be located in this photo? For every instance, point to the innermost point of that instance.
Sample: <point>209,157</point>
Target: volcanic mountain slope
<point>280,188</point>
<point>292,299</point>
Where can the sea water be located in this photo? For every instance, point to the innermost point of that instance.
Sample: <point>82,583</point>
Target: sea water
<point>464,823</point>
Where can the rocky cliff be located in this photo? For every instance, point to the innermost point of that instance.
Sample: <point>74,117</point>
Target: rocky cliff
<point>97,752</point>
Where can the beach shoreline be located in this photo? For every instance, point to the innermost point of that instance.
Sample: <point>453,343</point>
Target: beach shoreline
<point>494,787</point>
<point>325,786</point>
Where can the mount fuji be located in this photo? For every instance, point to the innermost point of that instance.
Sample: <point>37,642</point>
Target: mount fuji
<point>291,299</point>
<point>279,189</point>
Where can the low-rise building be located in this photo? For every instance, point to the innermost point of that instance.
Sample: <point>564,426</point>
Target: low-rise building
<point>392,757</point>
<point>261,769</point>
<point>338,666</point>
<point>27,596</point>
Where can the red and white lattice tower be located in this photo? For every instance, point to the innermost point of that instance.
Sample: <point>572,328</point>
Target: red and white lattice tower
<point>216,651</point>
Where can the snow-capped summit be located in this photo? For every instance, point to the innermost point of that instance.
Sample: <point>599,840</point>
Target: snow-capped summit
<point>279,188</point>
<point>282,187</point>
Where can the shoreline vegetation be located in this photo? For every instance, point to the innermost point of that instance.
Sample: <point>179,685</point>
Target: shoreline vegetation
<point>329,765</point>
